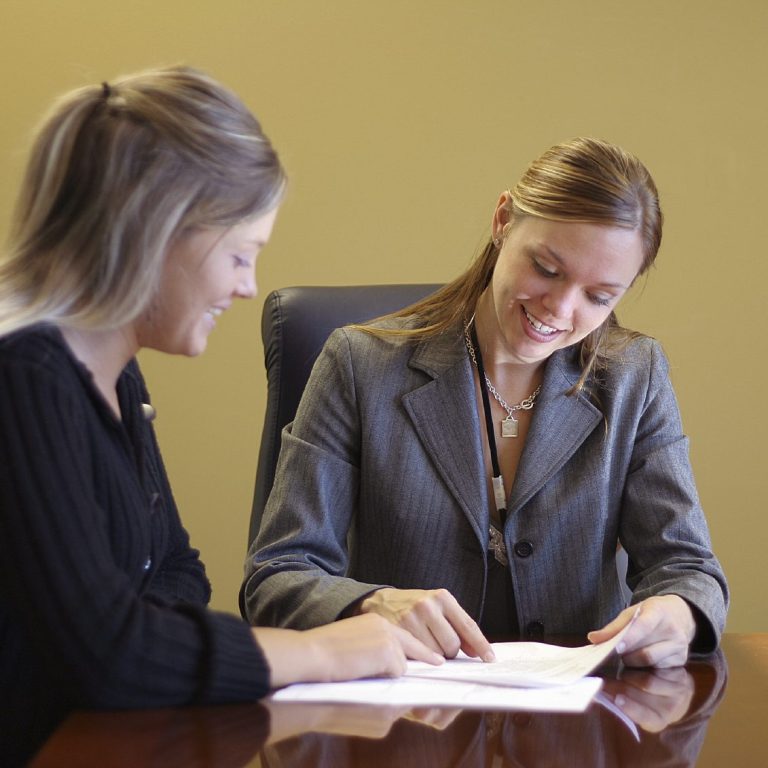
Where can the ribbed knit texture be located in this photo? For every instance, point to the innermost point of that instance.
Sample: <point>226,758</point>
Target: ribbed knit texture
<point>102,599</point>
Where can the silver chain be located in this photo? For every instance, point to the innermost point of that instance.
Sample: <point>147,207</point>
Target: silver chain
<point>523,405</point>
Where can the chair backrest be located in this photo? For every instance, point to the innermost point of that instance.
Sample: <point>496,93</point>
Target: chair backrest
<point>295,324</point>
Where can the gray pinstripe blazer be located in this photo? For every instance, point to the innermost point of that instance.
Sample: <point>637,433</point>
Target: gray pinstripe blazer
<point>381,482</point>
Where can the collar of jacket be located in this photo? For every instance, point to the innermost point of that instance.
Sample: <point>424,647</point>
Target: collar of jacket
<point>443,413</point>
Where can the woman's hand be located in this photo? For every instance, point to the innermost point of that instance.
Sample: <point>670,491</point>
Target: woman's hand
<point>434,617</point>
<point>659,636</point>
<point>363,646</point>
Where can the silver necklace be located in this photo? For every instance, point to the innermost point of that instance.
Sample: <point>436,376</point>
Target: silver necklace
<point>509,426</point>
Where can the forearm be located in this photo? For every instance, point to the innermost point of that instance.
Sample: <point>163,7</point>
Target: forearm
<point>663,526</point>
<point>298,597</point>
<point>364,646</point>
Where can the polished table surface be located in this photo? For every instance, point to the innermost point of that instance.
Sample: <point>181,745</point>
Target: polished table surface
<point>713,712</point>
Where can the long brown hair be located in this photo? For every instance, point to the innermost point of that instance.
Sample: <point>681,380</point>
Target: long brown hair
<point>583,180</point>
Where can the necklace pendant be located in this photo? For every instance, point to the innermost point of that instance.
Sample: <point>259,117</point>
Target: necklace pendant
<point>497,546</point>
<point>509,427</point>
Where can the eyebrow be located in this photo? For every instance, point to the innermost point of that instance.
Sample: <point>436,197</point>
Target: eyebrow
<point>559,259</point>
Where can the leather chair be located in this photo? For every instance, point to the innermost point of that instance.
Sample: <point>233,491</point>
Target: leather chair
<point>294,326</point>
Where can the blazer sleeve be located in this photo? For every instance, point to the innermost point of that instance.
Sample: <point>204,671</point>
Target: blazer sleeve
<point>295,570</point>
<point>662,525</point>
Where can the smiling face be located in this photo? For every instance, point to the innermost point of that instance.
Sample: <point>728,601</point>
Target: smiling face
<point>204,271</point>
<point>554,283</point>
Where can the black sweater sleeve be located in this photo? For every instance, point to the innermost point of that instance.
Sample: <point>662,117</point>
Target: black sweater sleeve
<point>76,548</point>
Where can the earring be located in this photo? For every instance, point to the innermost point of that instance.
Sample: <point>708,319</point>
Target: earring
<point>497,242</point>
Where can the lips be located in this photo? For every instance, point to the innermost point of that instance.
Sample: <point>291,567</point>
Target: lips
<point>210,315</point>
<point>539,327</point>
<point>213,312</point>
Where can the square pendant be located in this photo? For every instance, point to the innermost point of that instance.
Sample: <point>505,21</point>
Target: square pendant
<point>509,427</point>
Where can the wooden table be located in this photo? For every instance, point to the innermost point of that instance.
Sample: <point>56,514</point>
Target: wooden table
<point>713,712</point>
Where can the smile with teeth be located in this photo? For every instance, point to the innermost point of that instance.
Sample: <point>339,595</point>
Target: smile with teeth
<point>540,327</point>
<point>214,311</point>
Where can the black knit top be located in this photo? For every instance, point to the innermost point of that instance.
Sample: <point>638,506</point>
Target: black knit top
<point>102,599</point>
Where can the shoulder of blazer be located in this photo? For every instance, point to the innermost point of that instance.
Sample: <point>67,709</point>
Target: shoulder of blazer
<point>641,358</point>
<point>434,356</point>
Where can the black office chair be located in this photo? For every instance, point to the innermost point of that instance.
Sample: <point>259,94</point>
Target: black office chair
<point>294,326</point>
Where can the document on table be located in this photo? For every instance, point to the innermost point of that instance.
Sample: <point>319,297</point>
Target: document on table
<point>528,665</point>
<point>529,676</point>
<point>421,692</point>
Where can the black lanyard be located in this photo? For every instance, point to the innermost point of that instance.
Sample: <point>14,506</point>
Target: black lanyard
<point>496,479</point>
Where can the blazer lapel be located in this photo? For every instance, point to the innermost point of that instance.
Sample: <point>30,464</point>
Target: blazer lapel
<point>445,418</point>
<point>560,424</point>
<point>444,415</point>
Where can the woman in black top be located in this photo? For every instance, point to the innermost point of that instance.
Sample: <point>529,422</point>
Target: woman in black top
<point>143,209</point>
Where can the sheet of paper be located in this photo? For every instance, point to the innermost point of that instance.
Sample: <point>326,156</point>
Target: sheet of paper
<point>416,692</point>
<point>522,664</point>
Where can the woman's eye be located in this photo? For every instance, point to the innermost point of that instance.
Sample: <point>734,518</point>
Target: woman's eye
<point>240,261</point>
<point>542,270</point>
<point>602,301</point>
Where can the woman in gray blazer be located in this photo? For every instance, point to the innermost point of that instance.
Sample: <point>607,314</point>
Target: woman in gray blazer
<point>468,466</point>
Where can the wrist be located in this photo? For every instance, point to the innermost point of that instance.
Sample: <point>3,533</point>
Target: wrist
<point>691,622</point>
<point>353,609</point>
<point>290,655</point>
<point>371,602</point>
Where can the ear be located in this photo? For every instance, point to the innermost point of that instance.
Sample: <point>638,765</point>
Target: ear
<point>502,216</point>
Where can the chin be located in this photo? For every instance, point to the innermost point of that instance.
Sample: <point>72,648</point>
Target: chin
<point>196,350</point>
<point>188,347</point>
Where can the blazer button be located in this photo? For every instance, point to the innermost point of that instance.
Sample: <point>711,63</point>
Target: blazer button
<point>148,564</point>
<point>523,548</point>
<point>534,629</point>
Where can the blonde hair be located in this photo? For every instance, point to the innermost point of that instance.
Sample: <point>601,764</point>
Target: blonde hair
<point>116,172</point>
<point>584,180</point>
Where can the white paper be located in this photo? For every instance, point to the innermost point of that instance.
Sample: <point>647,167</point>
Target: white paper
<point>534,677</point>
<point>416,692</point>
<point>522,664</point>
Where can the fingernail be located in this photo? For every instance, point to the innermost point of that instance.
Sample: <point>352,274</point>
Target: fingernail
<point>489,656</point>
<point>621,647</point>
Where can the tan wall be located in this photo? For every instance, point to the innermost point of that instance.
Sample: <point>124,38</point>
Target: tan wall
<point>400,122</point>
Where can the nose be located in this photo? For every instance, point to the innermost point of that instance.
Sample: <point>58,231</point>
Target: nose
<point>560,301</point>
<point>246,288</point>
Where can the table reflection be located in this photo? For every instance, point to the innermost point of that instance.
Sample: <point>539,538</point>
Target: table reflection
<point>223,736</point>
<point>669,709</point>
